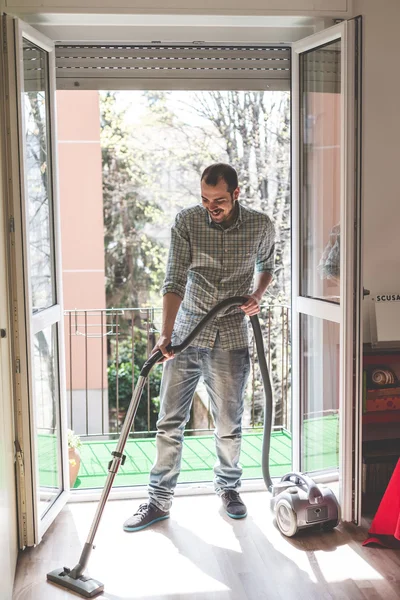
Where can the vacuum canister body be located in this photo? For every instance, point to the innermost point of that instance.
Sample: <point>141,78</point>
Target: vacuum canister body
<point>299,503</point>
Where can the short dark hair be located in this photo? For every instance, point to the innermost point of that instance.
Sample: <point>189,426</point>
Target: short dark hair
<point>213,174</point>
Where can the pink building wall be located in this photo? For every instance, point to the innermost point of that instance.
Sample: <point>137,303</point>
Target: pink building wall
<point>82,239</point>
<point>324,178</point>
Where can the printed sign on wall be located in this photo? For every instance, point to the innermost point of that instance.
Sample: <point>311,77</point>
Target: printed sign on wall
<point>388,298</point>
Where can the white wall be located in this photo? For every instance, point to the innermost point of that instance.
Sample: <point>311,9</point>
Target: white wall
<point>381,147</point>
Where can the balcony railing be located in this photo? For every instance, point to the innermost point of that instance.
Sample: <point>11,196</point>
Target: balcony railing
<point>105,349</point>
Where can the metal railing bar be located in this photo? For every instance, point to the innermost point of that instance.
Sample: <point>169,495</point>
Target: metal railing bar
<point>70,372</point>
<point>282,362</point>
<point>122,311</point>
<point>117,369</point>
<point>42,428</point>
<point>188,432</point>
<point>253,382</point>
<point>86,380</point>
<point>286,422</point>
<point>102,375</point>
<point>108,320</point>
<point>319,413</point>
<point>133,357</point>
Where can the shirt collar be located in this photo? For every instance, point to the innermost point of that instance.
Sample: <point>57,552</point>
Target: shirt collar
<point>237,222</point>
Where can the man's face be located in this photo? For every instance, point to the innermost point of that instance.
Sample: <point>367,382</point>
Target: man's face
<point>219,203</point>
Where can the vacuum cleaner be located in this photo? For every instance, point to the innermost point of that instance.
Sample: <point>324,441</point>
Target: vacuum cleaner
<point>299,503</point>
<point>75,579</point>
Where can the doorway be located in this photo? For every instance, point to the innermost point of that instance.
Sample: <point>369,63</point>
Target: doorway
<point>143,153</point>
<point>256,72</point>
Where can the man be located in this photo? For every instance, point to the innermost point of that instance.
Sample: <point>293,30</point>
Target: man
<point>215,248</point>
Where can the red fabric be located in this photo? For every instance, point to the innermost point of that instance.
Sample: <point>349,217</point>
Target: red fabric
<point>385,527</point>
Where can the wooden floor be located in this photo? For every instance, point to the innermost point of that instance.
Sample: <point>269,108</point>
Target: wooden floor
<point>201,554</point>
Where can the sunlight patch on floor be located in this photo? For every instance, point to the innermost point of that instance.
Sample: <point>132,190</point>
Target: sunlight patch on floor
<point>150,564</point>
<point>344,563</point>
<point>132,564</point>
<point>189,580</point>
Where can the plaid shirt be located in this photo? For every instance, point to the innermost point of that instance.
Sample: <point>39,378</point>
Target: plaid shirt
<point>208,263</point>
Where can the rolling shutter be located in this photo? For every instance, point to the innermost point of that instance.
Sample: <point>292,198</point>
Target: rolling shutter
<point>172,66</point>
<point>323,72</point>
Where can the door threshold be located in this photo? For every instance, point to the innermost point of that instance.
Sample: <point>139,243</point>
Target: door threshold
<point>185,489</point>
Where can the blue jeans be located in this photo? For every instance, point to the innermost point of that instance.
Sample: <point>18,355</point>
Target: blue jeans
<point>225,374</point>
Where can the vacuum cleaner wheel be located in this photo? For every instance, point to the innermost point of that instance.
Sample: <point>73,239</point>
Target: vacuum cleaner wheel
<point>286,518</point>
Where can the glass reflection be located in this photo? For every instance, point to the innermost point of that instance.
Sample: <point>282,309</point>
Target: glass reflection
<point>320,374</point>
<point>320,171</point>
<point>37,181</point>
<point>47,416</point>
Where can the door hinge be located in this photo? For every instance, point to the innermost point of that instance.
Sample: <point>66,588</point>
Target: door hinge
<point>18,366</point>
<point>12,225</point>
<point>20,468</point>
<point>20,458</point>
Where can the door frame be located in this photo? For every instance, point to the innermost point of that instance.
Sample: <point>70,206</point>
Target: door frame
<point>349,424</point>
<point>9,541</point>
<point>348,313</point>
<point>31,525</point>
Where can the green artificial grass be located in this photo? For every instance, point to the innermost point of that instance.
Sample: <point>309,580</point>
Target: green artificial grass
<point>320,450</point>
<point>197,461</point>
<point>48,460</point>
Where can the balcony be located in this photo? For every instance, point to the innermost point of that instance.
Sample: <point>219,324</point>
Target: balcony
<point>101,347</point>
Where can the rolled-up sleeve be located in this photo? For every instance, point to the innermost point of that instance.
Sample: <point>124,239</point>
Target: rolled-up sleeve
<point>265,261</point>
<point>179,259</point>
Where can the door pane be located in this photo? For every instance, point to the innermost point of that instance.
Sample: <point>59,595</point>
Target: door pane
<point>37,180</point>
<point>46,391</point>
<point>320,128</point>
<point>319,373</point>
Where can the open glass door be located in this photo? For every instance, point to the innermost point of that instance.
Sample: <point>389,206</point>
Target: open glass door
<point>326,287</point>
<point>36,288</point>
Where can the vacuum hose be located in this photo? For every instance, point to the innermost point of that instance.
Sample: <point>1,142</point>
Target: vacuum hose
<point>229,302</point>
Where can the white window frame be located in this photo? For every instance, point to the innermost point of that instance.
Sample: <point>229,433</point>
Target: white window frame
<point>347,314</point>
<point>31,525</point>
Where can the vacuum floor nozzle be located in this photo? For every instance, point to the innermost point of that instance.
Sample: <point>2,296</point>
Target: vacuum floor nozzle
<point>85,586</point>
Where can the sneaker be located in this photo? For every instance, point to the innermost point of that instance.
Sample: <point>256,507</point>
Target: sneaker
<point>146,515</point>
<point>234,507</point>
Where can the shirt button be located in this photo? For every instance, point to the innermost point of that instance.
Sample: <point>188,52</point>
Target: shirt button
<point>226,250</point>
